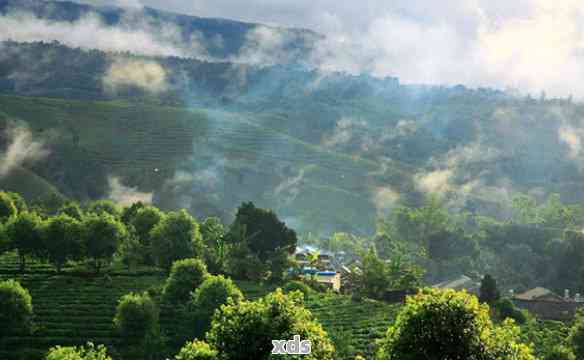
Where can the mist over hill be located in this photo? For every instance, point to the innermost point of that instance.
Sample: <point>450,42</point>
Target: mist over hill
<point>207,113</point>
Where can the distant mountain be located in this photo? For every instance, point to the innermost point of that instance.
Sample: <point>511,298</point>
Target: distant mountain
<point>328,151</point>
<point>222,38</point>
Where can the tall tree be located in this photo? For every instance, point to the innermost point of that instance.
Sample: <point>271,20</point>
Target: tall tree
<point>265,232</point>
<point>25,234</point>
<point>176,237</point>
<point>102,234</point>
<point>63,240</point>
<point>489,293</point>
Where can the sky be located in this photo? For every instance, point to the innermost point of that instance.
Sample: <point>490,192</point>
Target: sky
<point>531,45</point>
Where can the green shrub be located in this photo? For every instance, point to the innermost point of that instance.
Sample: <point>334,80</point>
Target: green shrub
<point>449,325</point>
<point>296,285</point>
<point>176,236</point>
<point>196,350</point>
<point>137,317</point>
<point>213,292</point>
<point>246,330</point>
<point>560,352</point>
<point>185,277</point>
<point>15,308</point>
<point>88,352</point>
<point>506,309</point>
<point>7,207</point>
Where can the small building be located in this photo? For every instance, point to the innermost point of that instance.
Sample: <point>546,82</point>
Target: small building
<point>539,293</point>
<point>545,304</point>
<point>462,282</point>
<point>331,279</point>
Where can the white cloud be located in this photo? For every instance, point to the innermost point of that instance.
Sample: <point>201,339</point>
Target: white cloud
<point>89,32</point>
<point>532,45</point>
<point>22,148</point>
<point>434,182</point>
<point>147,75</point>
<point>385,198</point>
<point>126,195</point>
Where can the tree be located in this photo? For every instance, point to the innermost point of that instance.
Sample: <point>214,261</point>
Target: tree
<point>214,292</point>
<point>265,234</point>
<point>137,317</point>
<point>102,234</point>
<point>185,277</point>
<point>7,207</point>
<point>215,253</point>
<point>373,280</point>
<point>87,352</point>
<point>71,209</point>
<point>104,206</point>
<point>145,219</point>
<point>18,201</point>
<point>246,330</point>
<point>196,350</point>
<point>445,324</point>
<point>560,352</point>
<point>63,240</point>
<point>577,335</point>
<point>15,308</point>
<point>489,293</point>
<point>25,233</point>
<point>176,237</point>
<point>129,212</point>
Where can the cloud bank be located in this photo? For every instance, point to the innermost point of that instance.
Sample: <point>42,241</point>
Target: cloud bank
<point>22,148</point>
<point>146,75</point>
<point>134,34</point>
<point>126,195</point>
<point>531,45</point>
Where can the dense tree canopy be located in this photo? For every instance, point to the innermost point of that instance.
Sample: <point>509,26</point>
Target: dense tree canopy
<point>262,230</point>
<point>185,277</point>
<point>246,330</point>
<point>445,324</point>
<point>176,237</point>
<point>63,240</point>
<point>102,235</point>
<point>25,234</point>
<point>87,352</point>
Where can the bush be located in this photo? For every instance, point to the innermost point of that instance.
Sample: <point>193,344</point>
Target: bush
<point>15,308</point>
<point>449,325</point>
<point>196,350</point>
<point>213,292</point>
<point>185,277</point>
<point>62,235</point>
<point>577,335</point>
<point>102,234</point>
<point>560,352</point>
<point>88,352</point>
<point>7,207</point>
<point>246,330</point>
<point>176,237</point>
<point>137,317</point>
<point>296,285</point>
<point>506,309</point>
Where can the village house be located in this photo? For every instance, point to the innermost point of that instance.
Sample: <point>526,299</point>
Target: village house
<point>545,304</point>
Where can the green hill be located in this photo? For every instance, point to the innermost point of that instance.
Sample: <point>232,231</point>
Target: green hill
<point>149,146</point>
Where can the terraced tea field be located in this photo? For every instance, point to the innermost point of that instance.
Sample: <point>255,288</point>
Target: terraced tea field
<point>72,309</point>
